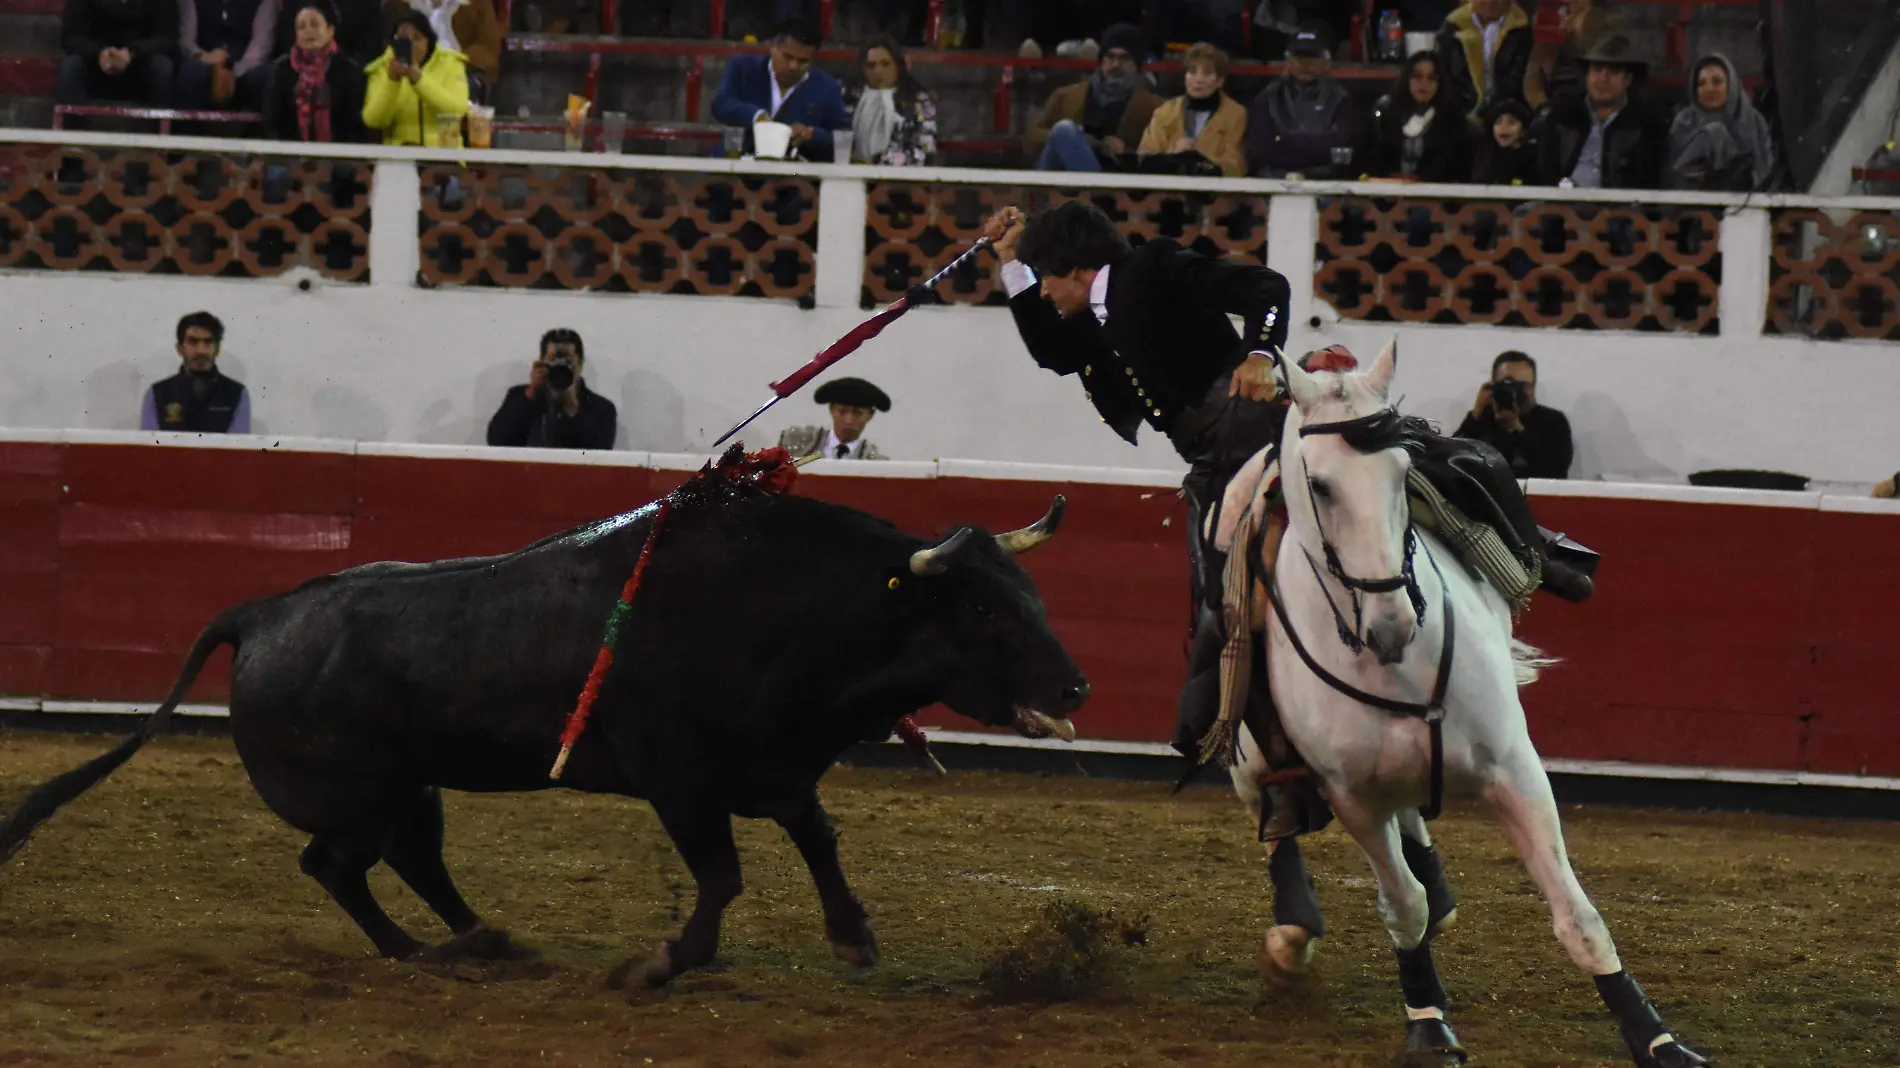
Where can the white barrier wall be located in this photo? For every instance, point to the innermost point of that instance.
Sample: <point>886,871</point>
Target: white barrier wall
<point>388,361</point>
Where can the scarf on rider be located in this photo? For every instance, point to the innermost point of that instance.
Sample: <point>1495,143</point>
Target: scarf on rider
<point>312,91</point>
<point>875,123</point>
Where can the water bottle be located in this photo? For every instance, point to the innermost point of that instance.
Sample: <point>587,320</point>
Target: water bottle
<point>1391,37</point>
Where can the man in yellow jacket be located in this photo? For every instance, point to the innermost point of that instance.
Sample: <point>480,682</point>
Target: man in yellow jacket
<point>417,92</point>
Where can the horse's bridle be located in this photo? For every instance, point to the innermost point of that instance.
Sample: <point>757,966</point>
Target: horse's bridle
<point>1368,433</point>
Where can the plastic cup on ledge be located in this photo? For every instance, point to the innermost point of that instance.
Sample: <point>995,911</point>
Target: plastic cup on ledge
<point>841,146</point>
<point>613,131</point>
<point>771,140</point>
<point>735,142</point>
<point>481,126</point>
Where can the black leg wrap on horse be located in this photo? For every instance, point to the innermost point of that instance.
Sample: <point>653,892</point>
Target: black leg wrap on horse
<point>1428,868</point>
<point>1418,978</point>
<point>1638,1018</point>
<point>1294,901</point>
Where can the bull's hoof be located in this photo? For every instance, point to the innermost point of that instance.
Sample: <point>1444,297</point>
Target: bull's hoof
<point>660,970</point>
<point>1431,1042</point>
<point>1288,954</point>
<point>1673,1054</point>
<point>856,954</point>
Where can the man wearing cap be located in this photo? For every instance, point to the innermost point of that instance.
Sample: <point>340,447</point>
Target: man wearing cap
<point>1608,139</point>
<point>1089,125</point>
<point>853,402</point>
<point>1298,121</point>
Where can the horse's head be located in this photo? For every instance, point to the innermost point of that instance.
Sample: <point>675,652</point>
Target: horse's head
<point>1343,473</point>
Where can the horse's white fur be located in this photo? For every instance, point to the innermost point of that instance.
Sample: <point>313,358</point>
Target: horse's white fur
<point>1374,765</point>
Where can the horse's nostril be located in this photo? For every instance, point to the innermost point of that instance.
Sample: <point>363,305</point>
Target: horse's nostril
<point>1073,696</point>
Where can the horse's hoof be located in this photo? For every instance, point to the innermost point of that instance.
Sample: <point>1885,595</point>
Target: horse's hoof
<point>1443,923</point>
<point>1289,952</point>
<point>1431,1041</point>
<point>1673,1054</point>
<point>660,966</point>
<point>858,955</point>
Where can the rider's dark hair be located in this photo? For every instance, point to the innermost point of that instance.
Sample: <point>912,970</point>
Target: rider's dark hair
<point>1514,356</point>
<point>1069,237</point>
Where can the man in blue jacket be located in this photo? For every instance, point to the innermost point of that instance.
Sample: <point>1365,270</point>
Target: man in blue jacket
<point>783,86</point>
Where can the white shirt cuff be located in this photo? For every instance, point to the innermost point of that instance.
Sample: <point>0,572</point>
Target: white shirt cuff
<point>1017,277</point>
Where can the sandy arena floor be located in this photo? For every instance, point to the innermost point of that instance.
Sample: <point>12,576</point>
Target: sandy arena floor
<point>162,920</point>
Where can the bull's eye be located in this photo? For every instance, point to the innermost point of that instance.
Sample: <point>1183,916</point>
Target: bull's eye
<point>1322,491</point>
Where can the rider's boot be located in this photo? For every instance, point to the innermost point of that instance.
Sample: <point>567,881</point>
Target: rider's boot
<point>1568,567</point>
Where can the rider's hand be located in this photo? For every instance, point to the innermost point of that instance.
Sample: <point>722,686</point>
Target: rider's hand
<point>1004,229</point>
<point>1253,379</point>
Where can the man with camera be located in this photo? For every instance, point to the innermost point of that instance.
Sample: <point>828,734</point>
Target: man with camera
<point>1534,439</point>
<point>555,410</point>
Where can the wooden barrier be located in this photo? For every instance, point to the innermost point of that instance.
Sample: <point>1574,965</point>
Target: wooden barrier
<point>1731,629</point>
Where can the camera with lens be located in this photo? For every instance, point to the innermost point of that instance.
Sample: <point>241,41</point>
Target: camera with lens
<point>1507,395</point>
<point>560,372</point>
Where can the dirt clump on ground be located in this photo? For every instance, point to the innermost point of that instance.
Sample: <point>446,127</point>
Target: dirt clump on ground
<point>162,920</point>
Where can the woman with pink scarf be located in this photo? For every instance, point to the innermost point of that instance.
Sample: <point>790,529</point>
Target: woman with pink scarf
<point>315,92</point>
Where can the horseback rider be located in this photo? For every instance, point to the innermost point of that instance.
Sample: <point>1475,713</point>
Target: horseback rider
<point>1147,331</point>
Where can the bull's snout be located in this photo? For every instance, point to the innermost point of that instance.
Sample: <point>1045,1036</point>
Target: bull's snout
<point>1074,696</point>
<point>1388,637</point>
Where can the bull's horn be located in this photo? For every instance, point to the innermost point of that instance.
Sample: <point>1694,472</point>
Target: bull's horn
<point>1021,541</point>
<point>934,560</point>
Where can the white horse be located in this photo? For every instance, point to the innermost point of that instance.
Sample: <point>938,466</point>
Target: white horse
<point>1348,574</point>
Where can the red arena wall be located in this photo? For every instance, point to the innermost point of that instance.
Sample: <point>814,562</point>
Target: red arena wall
<point>1723,634</point>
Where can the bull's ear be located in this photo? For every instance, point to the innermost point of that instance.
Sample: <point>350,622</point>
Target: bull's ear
<point>936,559</point>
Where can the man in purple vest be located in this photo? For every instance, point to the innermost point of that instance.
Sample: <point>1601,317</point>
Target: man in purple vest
<point>199,398</point>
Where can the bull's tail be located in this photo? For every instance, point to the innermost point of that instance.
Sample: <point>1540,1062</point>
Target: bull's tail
<point>47,798</point>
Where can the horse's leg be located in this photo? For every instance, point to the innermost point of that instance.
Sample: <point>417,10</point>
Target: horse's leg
<point>1422,857</point>
<point>1404,908</point>
<point>1298,923</point>
<point>1520,794</point>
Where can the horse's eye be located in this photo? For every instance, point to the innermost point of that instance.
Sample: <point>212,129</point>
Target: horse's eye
<point>1321,490</point>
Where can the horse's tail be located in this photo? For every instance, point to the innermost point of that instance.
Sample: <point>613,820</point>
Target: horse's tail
<point>1528,661</point>
<point>47,798</point>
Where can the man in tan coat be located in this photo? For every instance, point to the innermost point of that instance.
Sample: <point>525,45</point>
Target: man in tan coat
<point>1204,119</point>
<point>1089,125</point>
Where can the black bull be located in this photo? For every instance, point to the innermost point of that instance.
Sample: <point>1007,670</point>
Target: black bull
<point>766,637</point>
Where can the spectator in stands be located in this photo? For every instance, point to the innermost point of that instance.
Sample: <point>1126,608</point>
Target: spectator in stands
<point>1484,48</point>
<point>117,50</point>
<point>359,30</point>
<point>315,92</point>
<point>1203,125</point>
<point>470,27</point>
<point>224,53</point>
<point>1069,28</point>
<point>1506,156</point>
<point>555,410</point>
<point>1607,139</point>
<point>1302,122</point>
<point>1417,131</point>
<point>783,86</point>
<point>1535,439</point>
<point>1095,124</point>
<point>1719,142</point>
<point>893,117</point>
<point>853,402</point>
<point>1555,72</point>
<point>416,92</point>
<point>1216,22</point>
<point>199,398</point>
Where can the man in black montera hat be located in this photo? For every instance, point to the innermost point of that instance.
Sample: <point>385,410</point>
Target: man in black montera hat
<point>853,402</point>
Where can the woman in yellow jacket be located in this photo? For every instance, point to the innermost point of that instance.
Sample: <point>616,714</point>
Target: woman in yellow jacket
<point>1205,119</point>
<point>421,100</point>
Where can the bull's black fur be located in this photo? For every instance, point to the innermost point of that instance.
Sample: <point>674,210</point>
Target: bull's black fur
<point>769,634</point>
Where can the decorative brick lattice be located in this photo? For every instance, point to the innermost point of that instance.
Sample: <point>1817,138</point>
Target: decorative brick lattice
<point>912,230</point>
<point>1835,274</point>
<point>153,212</point>
<point>1578,266</point>
<point>620,231</point>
